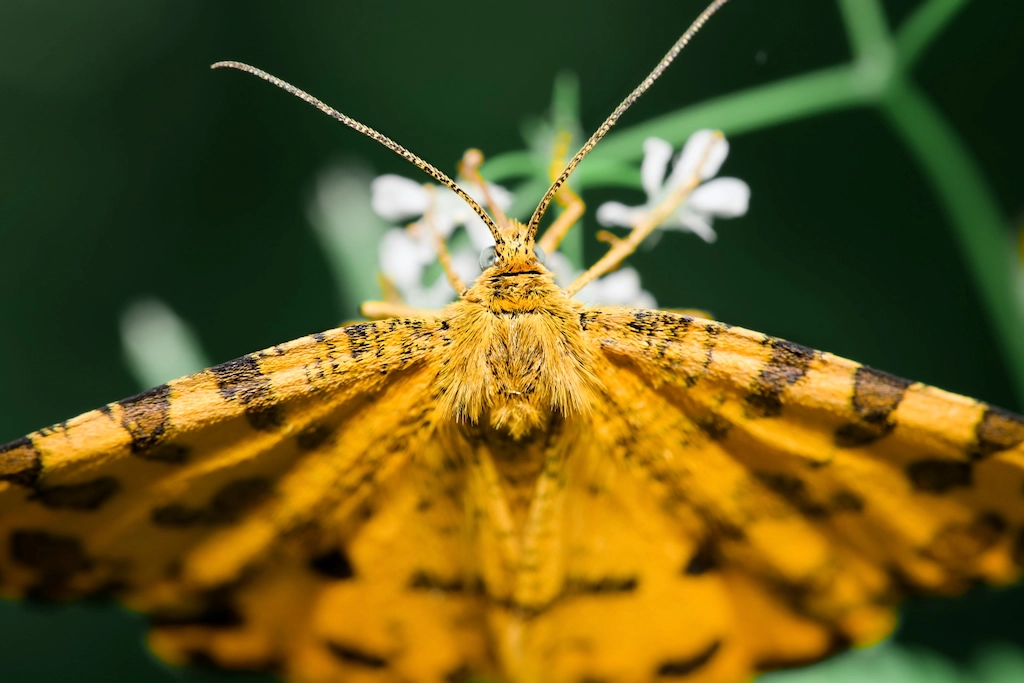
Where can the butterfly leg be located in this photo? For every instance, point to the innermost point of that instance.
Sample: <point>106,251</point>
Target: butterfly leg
<point>440,246</point>
<point>469,167</point>
<point>571,202</point>
<point>621,248</point>
<point>379,310</point>
<point>393,305</point>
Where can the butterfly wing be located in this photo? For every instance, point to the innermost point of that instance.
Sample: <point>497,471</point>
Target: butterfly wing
<point>237,504</point>
<point>744,503</point>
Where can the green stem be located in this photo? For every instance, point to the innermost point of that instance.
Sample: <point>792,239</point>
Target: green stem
<point>501,167</point>
<point>866,28</point>
<point>917,32</point>
<point>973,211</point>
<point>755,108</point>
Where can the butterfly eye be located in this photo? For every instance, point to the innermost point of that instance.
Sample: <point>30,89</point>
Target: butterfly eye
<point>541,256</point>
<point>487,258</point>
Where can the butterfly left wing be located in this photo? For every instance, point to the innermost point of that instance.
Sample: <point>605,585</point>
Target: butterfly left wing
<point>789,499</point>
<point>232,505</point>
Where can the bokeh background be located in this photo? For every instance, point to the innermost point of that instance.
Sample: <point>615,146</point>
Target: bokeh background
<point>129,169</point>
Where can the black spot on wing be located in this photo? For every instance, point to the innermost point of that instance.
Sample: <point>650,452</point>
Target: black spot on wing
<point>787,364</point>
<point>216,610</point>
<point>794,491</point>
<point>175,515</point>
<point>1018,548</point>
<point>712,332</point>
<point>602,586</point>
<point>333,564</point>
<point>958,544</point>
<point>313,437</point>
<point>847,501</point>
<point>939,476</point>
<point>175,454</point>
<point>56,558</point>
<point>90,495</point>
<point>359,338</point>
<point>991,523</point>
<point>998,430</point>
<point>702,561</point>
<point>243,381</point>
<point>685,666</point>
<point>876,395</point>
<point>355,656</point>
<point>656,323</point>
<point>20,462</point>
<point>146,418</point>
<point>462,674</point>
<point>714,425</point>
<point>426,581</point>
<point>237,498</point>
<point>227,505</point>
<point>853,434</point>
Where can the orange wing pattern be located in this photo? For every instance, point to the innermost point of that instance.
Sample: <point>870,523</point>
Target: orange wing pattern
<point>744,503</point>
<point>242,508</point>
<point>731,504</point>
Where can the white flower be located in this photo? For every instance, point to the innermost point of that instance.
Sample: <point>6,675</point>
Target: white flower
<point>620,288</point>
<point>405,253</point>
<point>396,198</point>
<point>721,197</point>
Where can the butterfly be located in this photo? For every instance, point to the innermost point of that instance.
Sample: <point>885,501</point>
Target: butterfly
<point>519,487</point>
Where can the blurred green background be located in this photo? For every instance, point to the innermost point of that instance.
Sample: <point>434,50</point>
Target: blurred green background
<point>128,168</point>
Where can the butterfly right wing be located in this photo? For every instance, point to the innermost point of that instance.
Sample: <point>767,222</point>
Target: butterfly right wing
<point>739,503</point>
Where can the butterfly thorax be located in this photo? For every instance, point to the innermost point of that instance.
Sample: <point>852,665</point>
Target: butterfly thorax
<point>521,353</point>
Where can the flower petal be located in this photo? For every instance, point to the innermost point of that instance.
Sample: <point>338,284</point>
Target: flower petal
<point>402,258</point>
<point>466,263</point>
<point>502,197</point>
<point>724,197</point>
<point>697,223</point>
<point>621,285</point>
<point>616,213</point>
<point>689,158</point>
<point>715,157</point>
<point>433,296</point>
<point>657,153</point>
<point>619,288</point>
<point>561,267</point>
<point>644,300</point>
<point>395,198</point>
<point>459,212</point>
<point>479,234</point>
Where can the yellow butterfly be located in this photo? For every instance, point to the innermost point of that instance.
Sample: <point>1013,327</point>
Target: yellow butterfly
<point>519,487</point>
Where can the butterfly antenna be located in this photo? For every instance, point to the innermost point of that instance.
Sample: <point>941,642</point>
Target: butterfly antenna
<point>619,111</point>
<point>419,163</point>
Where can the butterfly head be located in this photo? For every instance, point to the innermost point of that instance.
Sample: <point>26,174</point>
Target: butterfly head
<point>514,252</point>
<point>513,276</point>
